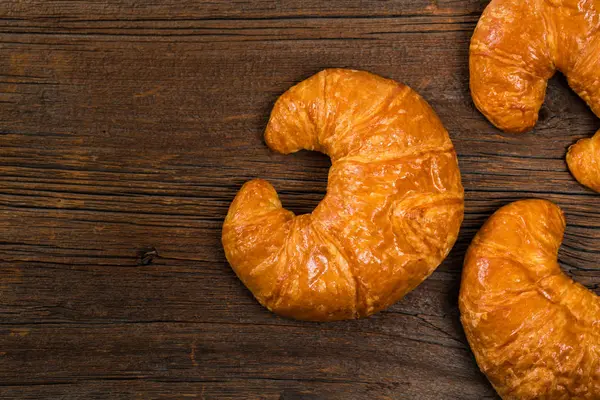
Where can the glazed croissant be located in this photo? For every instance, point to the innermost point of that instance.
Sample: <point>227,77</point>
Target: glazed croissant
<point>535,333</point>
<point>517,46</point>
<point>392,212</point>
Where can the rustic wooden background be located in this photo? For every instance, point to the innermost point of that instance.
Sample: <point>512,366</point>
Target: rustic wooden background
<point>126,128</point>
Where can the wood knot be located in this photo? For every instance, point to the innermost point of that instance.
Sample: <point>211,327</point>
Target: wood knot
<point>145,256</point>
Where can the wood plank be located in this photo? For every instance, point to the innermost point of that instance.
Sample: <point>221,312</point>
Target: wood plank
<point>242,9</point>
<point>126,129</point>
<point>172,352</point>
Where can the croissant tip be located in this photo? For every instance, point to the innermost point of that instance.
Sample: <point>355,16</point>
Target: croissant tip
<point>256,184</point>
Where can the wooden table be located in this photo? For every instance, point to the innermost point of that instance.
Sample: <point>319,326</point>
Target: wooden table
<point>126,128</point>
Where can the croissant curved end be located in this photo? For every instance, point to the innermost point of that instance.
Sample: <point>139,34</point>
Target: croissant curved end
<point>535,332</point>
<point>517,46</point>
<point>583,159</point>
<point>392,212</point>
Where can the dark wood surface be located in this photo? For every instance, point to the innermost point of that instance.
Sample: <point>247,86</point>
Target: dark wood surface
<point>126,128</point>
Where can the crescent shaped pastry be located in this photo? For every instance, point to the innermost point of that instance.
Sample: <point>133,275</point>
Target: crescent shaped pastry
<point>517,46</point>
<point>392,211</point>
<point>534,331</point>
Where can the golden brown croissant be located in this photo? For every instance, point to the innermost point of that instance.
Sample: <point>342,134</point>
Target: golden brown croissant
<point>535,333</point>
<point>517,46</point>
<point>392,212</point>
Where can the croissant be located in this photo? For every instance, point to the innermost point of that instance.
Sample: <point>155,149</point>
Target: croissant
<point>534,331</point>
<point>392,211</point>
<point>517,46</point>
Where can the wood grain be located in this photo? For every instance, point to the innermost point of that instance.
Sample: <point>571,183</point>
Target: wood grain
<point>126,129</point>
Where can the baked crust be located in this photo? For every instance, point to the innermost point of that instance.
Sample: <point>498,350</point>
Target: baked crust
<point>534,331</point>
<point>392,212</point>
<point>517,46</point>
